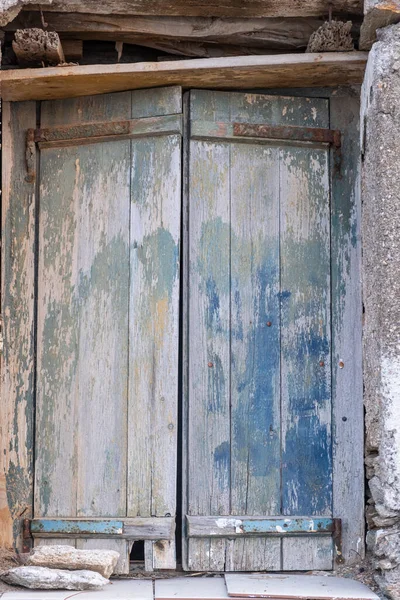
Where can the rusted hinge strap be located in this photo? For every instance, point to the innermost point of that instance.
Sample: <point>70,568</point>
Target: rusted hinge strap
<point>30,156</point>
<point>263,132</point>
<point>89,133</point>
<point>288,132</point>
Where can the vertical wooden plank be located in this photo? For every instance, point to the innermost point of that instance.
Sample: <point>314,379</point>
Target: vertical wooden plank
<point>253,554</point>
<point>154,319</point>
<point>185,328</point>
<point>157,102</point>
<point>304,553</point>
<point>162,554</point>
<point>83,319</point>
<point>305,336</point>
<point>347,388</point>
<point>206,554</point>
<point>305,332</point>
<point>255,349</point>
<point>255,332</point>
<point>209,341</point>
<point>17,307</point>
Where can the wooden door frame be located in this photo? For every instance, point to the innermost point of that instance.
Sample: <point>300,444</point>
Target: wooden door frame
<point>17,301</point>
<point>346,316</point>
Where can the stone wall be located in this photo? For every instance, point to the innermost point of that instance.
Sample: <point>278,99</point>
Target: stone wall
<point>381,290</point>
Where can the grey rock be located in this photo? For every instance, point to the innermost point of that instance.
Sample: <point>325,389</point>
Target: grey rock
<point>42,578</point>
<point>66,557</point>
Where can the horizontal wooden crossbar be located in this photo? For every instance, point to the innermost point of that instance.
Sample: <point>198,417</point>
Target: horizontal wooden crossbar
<point>263,132</point>
<point>239,526</point>
<point>89,133</point>
<point>138,528</point>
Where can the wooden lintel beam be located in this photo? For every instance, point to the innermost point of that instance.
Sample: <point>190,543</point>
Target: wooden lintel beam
<point>255,72</point>
<point>199,8</point>
<point>166,32</point>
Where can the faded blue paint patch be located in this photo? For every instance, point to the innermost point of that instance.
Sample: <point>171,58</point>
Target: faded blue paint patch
<point>159,255</point>
<point>213,321</point>
<point>307,468</point>
<point>213,260</point>
<point>74,526</point>
<point>256,432</point>
<point>222,457</point>
<point>301,525</point>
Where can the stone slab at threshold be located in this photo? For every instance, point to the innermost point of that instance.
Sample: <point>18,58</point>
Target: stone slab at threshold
<point>296,586</point>
<point>124,589</point>
<point>191,588</point>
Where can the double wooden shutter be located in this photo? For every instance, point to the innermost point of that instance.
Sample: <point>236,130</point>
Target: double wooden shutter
<point>99,327</point>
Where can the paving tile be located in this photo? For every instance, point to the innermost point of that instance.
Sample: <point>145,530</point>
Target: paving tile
<point>191,588</point>
<point>297,586</point>
<point>124,589</point>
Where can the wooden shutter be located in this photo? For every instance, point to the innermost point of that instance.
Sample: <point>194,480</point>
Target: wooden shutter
<point>258,437</point>
<point>107,341</point>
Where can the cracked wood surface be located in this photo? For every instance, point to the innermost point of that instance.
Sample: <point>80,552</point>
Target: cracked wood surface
<point>290,70</point>
<point>259,430</point>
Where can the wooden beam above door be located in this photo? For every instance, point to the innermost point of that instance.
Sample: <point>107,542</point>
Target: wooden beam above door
<point>199,8</point>
<point>287,70</point>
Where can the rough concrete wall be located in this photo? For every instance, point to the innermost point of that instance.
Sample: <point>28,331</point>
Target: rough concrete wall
<point>381,288</point>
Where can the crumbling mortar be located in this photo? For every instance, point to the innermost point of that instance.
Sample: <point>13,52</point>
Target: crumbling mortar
<point>381,290</point>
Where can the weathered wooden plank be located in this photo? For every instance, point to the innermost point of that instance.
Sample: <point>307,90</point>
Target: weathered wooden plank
<point>209,339</point>
<point>17,308</point>
<point>260,554</point>
<point>302,553</point>
<point>305,332</point>
<point>347,380</point>
<point>185,328</point>
<point>42,527</point>
<point>154,308</point>
<point>206,554</point>
<point>140,528</point>
<point>170,32</point>
<point>240,526</point>
<point>255,334</point>
<point>230,8</point>
<point>164,555</point>
<point>290,70</point>
<point>154,528</point>
<point>82,320</point>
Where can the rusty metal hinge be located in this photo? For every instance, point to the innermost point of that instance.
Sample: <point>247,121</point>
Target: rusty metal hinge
<point>30,156</point>
<point>337,540</point>
<point>27,539</point>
